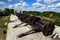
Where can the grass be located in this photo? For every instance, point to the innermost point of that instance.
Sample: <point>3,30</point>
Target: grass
<point>55,17</point>
<point>2,36</point>
<point>3,20</point>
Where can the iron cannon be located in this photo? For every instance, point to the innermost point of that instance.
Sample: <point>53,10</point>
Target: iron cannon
<point>37,24</point>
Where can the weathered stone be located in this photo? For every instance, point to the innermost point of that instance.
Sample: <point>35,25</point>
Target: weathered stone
<point>12,33</point>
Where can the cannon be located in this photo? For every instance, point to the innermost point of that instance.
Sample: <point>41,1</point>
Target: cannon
<point>37,24</point>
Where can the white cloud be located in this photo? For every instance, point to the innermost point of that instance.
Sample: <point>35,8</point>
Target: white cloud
<point>21,4</point>
<point>57,5</point>
<point>24,4</point>
<point>38,0</point>
<point>51,6</point>
<point>18,5</point>
<point>10,6</point>
<point>54,5</point>
<point>44,7</point>
<point>49,1</point>
<point>21,1</point>
<point>38,5</point>
<point>15,6</point>
<point>2,3</point>
<point>10,0</point>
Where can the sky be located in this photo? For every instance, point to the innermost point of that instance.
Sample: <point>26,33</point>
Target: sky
<point>31,5</point>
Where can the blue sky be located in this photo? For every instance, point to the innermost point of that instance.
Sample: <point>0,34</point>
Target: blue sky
<point>31,5</point>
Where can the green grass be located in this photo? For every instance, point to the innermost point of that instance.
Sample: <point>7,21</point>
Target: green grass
<point>4,20</point>
<point>3,36</point>
<point>55,17</point>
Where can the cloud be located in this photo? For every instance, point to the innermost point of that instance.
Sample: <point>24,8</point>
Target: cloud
<point>43,7</point>
<point>14,6</point>
<point>37,5</point>
<point>2,3</point>
<point>38,0</point>
<point>21,1</point>
<point>10,0</point>
<point>51,6</point>
<point>10,6</point>
<point>24,4</point>
<point>57,5</point>
<point>18,5</point>
<point>49,1</point>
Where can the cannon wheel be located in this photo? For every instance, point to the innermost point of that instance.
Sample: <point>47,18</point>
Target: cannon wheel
<point>52,27</point>
<point>48,28</point>
<point>45,29</point>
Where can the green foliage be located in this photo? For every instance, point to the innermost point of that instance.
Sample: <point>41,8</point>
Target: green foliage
<point>11,10</point>
<point>55,17</point>
<point>6,12</point>
<point>4,16</point>
<point>4,20</point>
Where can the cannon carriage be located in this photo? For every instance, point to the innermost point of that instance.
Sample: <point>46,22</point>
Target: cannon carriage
<point>37,24</point>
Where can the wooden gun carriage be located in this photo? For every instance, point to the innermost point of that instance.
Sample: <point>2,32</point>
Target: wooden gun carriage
<point>37,24</point>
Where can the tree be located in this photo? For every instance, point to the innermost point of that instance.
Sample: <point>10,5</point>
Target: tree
<point>11,10</point>
<point>7,11</point>
<point>0,9</point>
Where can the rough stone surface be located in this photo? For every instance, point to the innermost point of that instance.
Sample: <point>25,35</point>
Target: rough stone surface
<point>12,33</point>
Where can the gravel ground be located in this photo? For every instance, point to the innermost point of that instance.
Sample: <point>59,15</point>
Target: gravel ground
<point>13,32</point>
